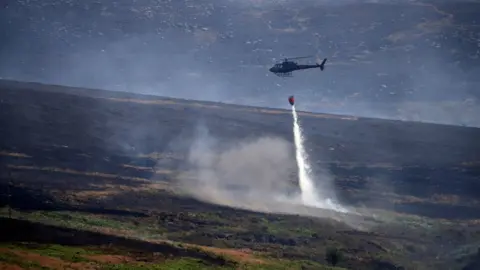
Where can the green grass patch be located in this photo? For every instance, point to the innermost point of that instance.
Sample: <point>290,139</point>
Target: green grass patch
<point>83,221</point>
<point>287,265</point>
<point>65,218</point>
<point>175,264</point>
<point>66,253</point>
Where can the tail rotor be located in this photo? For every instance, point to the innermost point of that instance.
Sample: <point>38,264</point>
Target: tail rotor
<point>322,65</point>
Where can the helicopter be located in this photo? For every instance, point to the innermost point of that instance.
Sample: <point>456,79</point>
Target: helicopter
<point>285,68</point>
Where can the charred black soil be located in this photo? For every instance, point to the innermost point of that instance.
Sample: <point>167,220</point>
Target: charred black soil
<point>105,161</point>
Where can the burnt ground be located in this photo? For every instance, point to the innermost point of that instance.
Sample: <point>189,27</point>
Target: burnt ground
<point>105,161</point>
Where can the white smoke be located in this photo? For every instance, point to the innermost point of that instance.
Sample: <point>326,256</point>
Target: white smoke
<point>254,174</point>
<point>248,174</point>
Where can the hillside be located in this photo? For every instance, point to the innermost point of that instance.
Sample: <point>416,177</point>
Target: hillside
<point>114,163</point>
<point>414,60</point>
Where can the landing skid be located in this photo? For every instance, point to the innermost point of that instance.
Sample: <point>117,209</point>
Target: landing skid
<point>284,75</point>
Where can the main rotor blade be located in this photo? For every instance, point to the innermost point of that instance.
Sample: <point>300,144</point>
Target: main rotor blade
<point>301,57</point>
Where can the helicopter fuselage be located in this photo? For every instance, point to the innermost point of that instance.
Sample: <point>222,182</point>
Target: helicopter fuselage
<point>288,67</point>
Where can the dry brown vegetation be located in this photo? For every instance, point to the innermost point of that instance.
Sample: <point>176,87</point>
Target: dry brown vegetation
<point>106,190</point>
<point>46,261</point>
<point>12,154</point>
<point>91,183</point>
<point>75,172</point>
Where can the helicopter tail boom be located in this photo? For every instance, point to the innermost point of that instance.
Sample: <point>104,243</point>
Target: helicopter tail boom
<point>322,65</point>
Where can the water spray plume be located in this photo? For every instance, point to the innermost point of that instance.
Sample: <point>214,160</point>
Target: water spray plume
<point>306,186</point>
<point>309,195</point>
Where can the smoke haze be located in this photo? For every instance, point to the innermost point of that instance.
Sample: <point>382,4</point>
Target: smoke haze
<point>246,174</point>
<point>254,174</point>
<point>401,60</point>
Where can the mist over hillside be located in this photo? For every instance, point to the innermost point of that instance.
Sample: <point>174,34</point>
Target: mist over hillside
<point>415,60</point>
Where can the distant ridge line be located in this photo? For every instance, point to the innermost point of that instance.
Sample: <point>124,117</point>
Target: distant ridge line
<point>122,96</point>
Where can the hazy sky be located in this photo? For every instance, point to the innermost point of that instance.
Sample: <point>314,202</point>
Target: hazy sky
<point>415,61</point>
